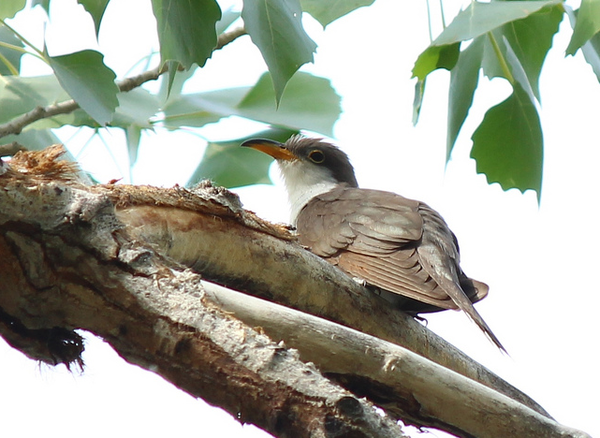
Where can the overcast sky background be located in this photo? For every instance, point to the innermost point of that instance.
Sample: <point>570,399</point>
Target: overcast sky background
<point>538,261</point>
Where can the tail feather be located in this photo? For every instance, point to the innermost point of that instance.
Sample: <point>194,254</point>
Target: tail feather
<point>461,300</point>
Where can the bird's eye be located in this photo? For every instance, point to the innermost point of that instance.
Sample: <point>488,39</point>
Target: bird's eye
<point>316,156</point>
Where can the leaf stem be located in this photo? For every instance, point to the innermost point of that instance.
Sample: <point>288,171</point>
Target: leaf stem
<point>429,20</point>
<point>503,64</point>
<point>13,47</point>
<point>13,70</point>
<point>37,51</point>
<point>21,49</point>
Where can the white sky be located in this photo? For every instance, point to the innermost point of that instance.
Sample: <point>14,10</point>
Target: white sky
<point>538,262</point>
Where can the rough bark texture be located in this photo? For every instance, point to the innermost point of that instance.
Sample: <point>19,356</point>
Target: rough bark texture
<point>405,384</point>
<point>213,235</point>
<point>67,263</point>
<point>76,257</point>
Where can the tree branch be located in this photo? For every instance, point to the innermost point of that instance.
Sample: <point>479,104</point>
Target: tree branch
<point>228,37</point>
<point>181,224</point>
<point>405,384</point>
<point>16,125</point>
<point>11,148</point>
<point>70,262</point>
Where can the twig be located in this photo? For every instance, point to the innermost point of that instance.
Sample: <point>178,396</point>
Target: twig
<point>16,125</point>
<point>9,149</point>
<point>228,37</point>
<point>132,82</point>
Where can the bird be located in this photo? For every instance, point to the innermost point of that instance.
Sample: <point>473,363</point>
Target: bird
<point>400,247</point>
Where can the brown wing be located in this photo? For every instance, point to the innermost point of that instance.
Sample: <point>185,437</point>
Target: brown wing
<point>375,236</point>
<point>397,244</point>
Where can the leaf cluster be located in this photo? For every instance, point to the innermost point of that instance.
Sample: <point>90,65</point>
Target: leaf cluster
<point>189,33</point>
<point>499,39</point>
<point>509,40</point>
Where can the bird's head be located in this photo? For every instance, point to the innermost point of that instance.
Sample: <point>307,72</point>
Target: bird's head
<point>310,159</point>
<point>309,167</point>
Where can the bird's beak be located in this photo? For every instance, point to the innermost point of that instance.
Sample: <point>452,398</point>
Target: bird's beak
<point>270,147</point>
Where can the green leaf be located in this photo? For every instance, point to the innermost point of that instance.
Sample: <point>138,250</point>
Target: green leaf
<point>44,4</point>
<point>531,39</point>
<point>136,107</point>
<point>19,95</point>
<point>171,87</point>
<point>500,60</point>
<point>476,20</point>
<point>275,26</point>
<point>435,57</point>
<point>325,11</point>
<point>480,18</point>
<point>186,30</point>
<point>133,134</point>
<point>431,59</point>
<point>591,49</point>
<point>10,59</point>
<point>8,8</point>
<point>199,109</point>
<point>586,25</point>
<point>508,145</point>
<point>418,100</point>
<point>227,19</point>
<point>309,103</point>
<point>495,28</point>
<point>494,58</point>
<point>227,164</point>
<point>518,72</point>
<point>96,9</point>
<point>172,70</point>
<point>35,140</point>
<point>591,52</point>
<point>89,82</point>
<point>463,82</point>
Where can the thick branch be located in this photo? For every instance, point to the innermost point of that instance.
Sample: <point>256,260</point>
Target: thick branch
<point>405,384</point>
<point>234,248</point>
<point>67,263</point>
<point>16,125</point>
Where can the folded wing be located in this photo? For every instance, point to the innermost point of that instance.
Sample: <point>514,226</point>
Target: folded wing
<point>394,243</point>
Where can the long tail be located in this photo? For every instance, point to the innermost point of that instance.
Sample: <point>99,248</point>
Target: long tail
<point>463,302</point>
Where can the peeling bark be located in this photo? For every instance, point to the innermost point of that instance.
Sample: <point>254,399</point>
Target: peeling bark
<point>69,264</point>
<point>233,248</point>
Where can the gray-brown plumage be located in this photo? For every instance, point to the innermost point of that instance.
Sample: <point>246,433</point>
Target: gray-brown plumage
<point>398,245</point>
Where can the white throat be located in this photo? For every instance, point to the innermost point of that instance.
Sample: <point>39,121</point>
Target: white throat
<point>304,182</point>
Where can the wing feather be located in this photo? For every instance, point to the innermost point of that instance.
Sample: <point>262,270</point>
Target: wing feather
<point>410,281</point>
<point>394,243</point>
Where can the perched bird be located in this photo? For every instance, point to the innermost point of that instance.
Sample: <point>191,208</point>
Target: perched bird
<point>397,245</point>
